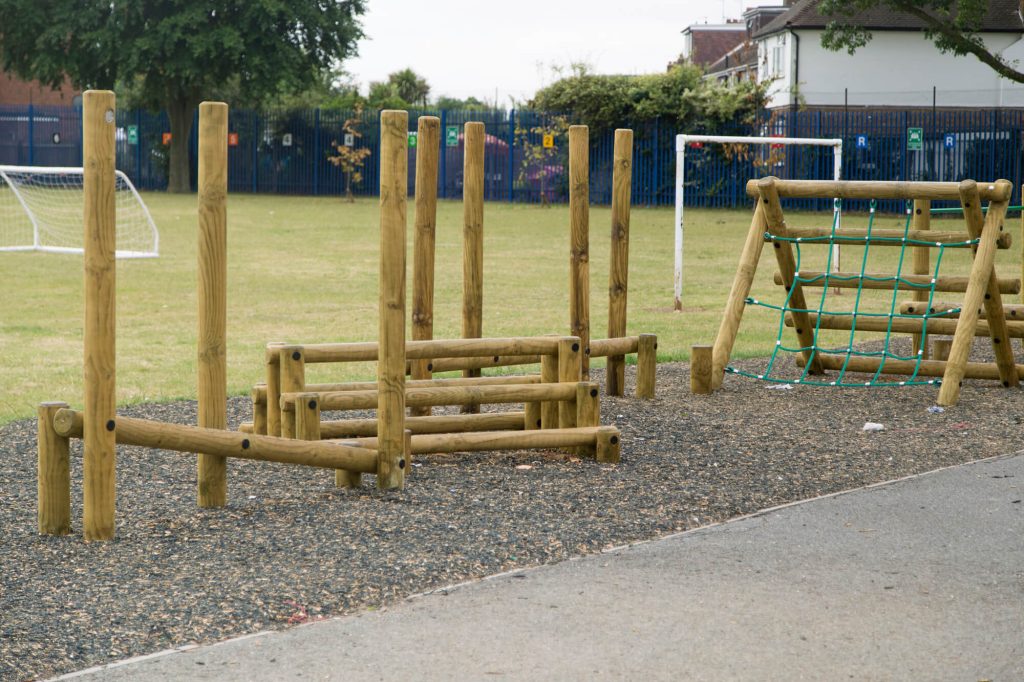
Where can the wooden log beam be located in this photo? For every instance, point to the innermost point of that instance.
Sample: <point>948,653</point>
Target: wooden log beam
<point>892,237</point>
<point>902,325</point>
<point>182,438</point>
<point>857,189</point>
<point>487,421</point>
<point>260,390</point>
<point>928,368</point>
<point>544,439</point>
<point>607,348</point>
<point>849,280</point>
<point>1013,311</point>
<point>448,395</point>
<point>436,348</point>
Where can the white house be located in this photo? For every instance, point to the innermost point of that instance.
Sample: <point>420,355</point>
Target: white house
<point>900,67</point>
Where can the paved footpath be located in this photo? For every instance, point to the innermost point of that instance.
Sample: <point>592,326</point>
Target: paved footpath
<point>921,579</point>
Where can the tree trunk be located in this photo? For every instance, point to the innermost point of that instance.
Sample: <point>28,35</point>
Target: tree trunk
<point>180,110</point>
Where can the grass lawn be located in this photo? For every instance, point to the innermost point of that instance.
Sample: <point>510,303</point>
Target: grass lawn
<point>304,269</point>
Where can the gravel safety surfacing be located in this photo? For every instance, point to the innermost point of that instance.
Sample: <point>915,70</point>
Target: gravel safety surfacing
<point>290,547</point>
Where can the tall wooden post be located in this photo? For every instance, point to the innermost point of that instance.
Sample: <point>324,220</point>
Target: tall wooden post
<point>549,375</point>
<point>921,220</point>
<point>394,163</point>
<point>579,241</point>
<point>211,297</point>
<point>428,141</point>
<point>54,475</point>
<point>100,454</point>
<point>618,273</point>
<point>473,240</point>
<point>292,364</point>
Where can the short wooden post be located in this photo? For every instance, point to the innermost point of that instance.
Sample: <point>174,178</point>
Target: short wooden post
<point>700,370</point>
<point>293,380</point>
<point>211,296</point>
<point>940,348</point>
<point>307,416</point>
<point>424,237</point>
<point>549,375</point>
<point>100,453</point>
<point>54,474</point>
<point>609,445</point>
<point>273,377</point>
<point>259,410</point>
<point>394,189</point>
<point>922,220</point>
<point>532,416</point>
<point>473,240</point>
<point>618,273</point>
<point>646,364</point>
<point>579,240</point>
<point>588,404</point>
<point>569,369</point>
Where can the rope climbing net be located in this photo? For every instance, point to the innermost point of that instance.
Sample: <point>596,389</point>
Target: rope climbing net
<point>850,319</point>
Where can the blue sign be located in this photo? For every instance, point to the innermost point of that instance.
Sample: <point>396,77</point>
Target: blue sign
<point>862,142</point>
<point>949,140</point>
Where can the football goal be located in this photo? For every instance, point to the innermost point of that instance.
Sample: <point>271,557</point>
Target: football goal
<point>683,141</point>
<point>41,209</point>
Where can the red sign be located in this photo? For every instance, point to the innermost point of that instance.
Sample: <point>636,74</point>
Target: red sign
<point>232,139</point>
<point>696,145</point>
<point>166,138</point>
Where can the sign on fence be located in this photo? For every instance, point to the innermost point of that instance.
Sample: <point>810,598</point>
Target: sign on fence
<point>286,140</point>
<point>350,140</point>
<point>549,141</point>
<point>949,140</point>
<point>915,139</point>
<point>133,134</point>
<point>451,136</point>
<point>166,138</point>
<point>412,138</point>
<point>232,139</point>
<point>862,142</point>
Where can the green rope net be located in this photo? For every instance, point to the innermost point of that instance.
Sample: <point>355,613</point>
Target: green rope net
<point>825,278</point>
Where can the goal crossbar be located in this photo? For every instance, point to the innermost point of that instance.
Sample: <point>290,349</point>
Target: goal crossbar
<point>682,141</point>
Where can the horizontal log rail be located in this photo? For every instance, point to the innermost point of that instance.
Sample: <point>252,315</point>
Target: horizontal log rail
<point>889,237</point>
<point>602,348</point>
<point>499,440</point>
<point>449,395</point>
<point>928,368</point>
<point>902,325</point>
<point>181,438</point>
<point>1014,311</point>
<point>434,424</point>
<point>858,189</point>
<point>851,280</point>
<point>425,350</point>
<point>260,390</point>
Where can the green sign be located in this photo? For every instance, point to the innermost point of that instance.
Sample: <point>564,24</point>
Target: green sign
<point>133,134</point>
<point>451,136</point>
<point>412,139</point>
<point>915,139</point>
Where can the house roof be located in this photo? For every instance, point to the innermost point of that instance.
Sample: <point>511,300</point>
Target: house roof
<point>709,45</point>
<point>744,54</point>
<point>1001,17</point>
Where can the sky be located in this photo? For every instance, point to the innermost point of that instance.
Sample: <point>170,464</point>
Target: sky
<point>500,51</point>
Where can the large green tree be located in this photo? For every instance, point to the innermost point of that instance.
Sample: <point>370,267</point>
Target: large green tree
<point>178,52</point>
<point>953,25</point>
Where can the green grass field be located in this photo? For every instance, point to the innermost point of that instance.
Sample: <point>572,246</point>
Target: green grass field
<point>304,270</point>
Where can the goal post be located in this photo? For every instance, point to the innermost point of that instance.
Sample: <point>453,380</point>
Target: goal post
<point>682,141</point>
<point>41,209</point>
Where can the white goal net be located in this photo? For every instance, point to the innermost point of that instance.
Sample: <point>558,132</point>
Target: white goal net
<point>41,209</point>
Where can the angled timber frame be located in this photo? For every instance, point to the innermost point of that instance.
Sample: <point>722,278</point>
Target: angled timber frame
<point>982,289</point>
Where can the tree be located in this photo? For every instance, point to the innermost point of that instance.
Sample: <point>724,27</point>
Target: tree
<point>177,52</point>
<point>350,158</point>
<point>953,26</point>
<point>410,86</point>
<point>384,95</point>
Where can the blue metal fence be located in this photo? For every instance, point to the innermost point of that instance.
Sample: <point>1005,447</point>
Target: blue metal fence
<point>286,152</point>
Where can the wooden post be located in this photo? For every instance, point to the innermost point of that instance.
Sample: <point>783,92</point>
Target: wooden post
<point>700,370</point>
<point>618,273</point>
<point>99,495</point>
<point>54,475</point>
<point>609,445</point>
<point>531,417</point>
<point>579,240</point>
<point>273,377</point>
<point>588,412</point>
<point>737,300</point>
<point>212,295</point>
<point>427,149</point>
<point>307,416</point>
<point>569,370</point>
<point>646,363</point>
<point>473,239</point>
<point>293,380</point>
<point>549,374</point>
<point>940,348</point>
<point>259,410</point>
<point>922,220</point>
<point>394,126</point>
